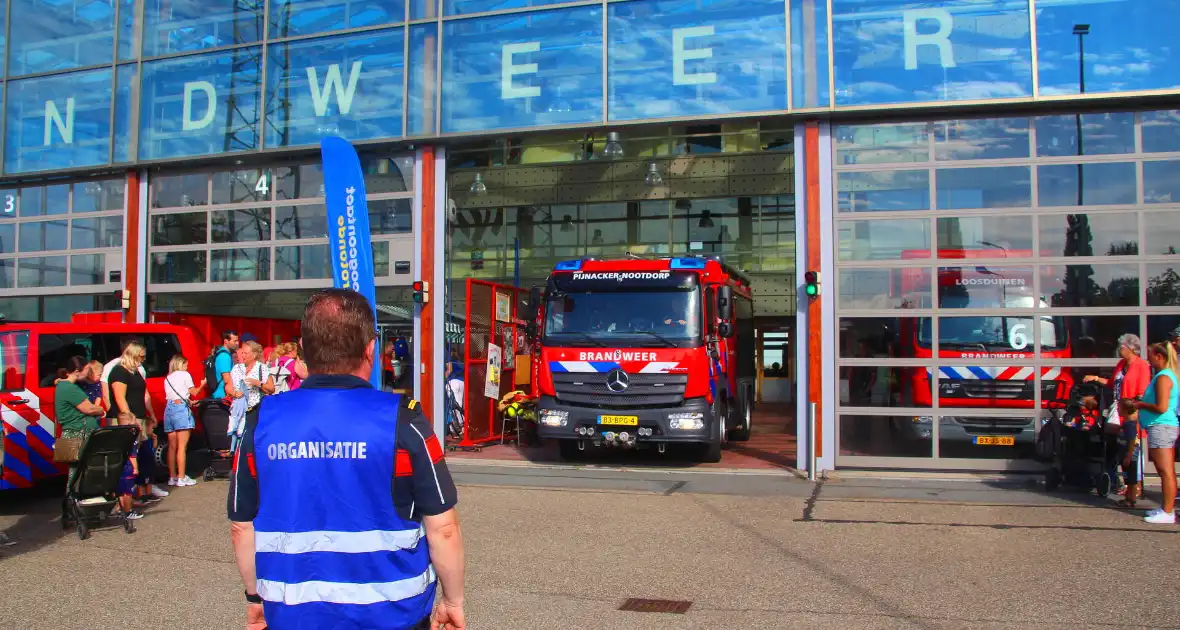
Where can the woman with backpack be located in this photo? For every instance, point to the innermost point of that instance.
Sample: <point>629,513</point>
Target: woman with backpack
<point>288,370</point>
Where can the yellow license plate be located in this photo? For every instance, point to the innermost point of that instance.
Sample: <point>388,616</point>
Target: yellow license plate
<point>998,440</point>
<point>625,421</point>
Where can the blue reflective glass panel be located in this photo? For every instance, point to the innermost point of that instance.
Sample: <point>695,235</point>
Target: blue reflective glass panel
<point>58,35</point>
<point>423,87</point>
<point>893,51</point>
<point>672,58</point>
<point>129,34</point>
<point>289,18</point>
<point>3,32</point>
<point>1101,134</point>
<point>345,86</point>
<point>994,187</point>
<point>200,105</point>
<point>59,121</point>
<point>523,70</point>
<point>886,143</point>
<point>464,7</point>
<point>1123,45</point>
<point>1161,130</point>
<point>423,9</point>
<point>1161,182</point>
<point>981,139</point>
<point>1086,184</point>
<point>810,80</point>
<point>171,26</point>
<point>883,191</point>
<point>126,78</point>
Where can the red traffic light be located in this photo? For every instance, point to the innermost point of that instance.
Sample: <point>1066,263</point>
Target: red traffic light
<point>811,277</point>
<point>419,285</point>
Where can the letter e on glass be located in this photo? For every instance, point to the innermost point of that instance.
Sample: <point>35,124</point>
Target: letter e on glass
<point>680,55</point>
<point>508,70</point>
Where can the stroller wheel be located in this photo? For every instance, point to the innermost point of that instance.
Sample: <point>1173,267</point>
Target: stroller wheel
<point>209,474</point>
<point>128,526</point>
<point>83,531</point>
<point>1104,485</point>
<point>1052,479</point>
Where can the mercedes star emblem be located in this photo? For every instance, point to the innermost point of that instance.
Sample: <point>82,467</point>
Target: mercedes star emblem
<point>617,381</point>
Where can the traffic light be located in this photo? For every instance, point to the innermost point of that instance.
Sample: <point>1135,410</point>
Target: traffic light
<point>421,292</point>
<point>811,283</point>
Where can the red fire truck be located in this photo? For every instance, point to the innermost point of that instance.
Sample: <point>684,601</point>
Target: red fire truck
<point>640,353</point>
<point>964,339</point>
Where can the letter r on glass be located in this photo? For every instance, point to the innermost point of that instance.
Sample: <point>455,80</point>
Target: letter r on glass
<point>940,38</point>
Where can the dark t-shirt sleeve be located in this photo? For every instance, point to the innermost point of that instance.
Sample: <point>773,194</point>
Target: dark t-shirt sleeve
<point>422,482</point>
<point>242,503</point>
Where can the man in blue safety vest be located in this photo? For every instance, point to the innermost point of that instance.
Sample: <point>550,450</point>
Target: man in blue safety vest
<point>342,508</point>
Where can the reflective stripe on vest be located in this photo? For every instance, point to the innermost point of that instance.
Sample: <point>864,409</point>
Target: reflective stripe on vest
<point>330,547</point>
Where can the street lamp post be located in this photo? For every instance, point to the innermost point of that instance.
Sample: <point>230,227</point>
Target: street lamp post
<point>1081,30</point>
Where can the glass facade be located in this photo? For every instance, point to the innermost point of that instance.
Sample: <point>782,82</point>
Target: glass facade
<point>61,235</point>
<point>1007,256</point>
<point>267,224</point>
<point>92,84</point>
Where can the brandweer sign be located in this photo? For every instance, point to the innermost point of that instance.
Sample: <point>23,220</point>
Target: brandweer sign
<point>616,355</point>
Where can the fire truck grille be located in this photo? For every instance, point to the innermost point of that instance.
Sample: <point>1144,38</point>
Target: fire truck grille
<point>644,390</point>
<point>1008,390</point>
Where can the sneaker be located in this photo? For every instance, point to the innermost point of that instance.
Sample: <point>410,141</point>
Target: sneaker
<point>133,516</point>
<point>157,492</point>
<point>172,481</point>
<point>1160,518</point>
<point>186,481</point>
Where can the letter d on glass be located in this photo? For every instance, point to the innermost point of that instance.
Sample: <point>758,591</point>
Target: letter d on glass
<point>509,70</point>
<point>186,115</point>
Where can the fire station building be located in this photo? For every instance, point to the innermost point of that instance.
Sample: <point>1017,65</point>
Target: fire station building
<point>989,189</point>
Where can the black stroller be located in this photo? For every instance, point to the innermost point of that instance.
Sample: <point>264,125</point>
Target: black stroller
<point>94,491</point>
<point>216,450</point>
<point>1080,452</point>
<point>455,415</point>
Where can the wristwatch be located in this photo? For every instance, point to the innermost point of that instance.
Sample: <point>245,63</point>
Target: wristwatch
<point>253,599</point>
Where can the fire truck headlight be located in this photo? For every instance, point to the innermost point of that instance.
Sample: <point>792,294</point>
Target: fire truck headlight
<point>686,421</point>
<point>554,418</point>
<point>923,419</point>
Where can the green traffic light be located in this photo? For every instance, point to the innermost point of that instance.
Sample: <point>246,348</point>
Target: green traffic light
<point>812,290</point>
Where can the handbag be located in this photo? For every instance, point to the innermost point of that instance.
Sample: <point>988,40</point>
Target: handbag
<point>67,449</point>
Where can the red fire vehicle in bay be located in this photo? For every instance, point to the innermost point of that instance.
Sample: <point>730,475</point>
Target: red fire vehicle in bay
<point>639,353</point>
<point>966,341</point>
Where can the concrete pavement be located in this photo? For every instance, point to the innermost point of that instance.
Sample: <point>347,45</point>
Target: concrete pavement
<point>562,548</point>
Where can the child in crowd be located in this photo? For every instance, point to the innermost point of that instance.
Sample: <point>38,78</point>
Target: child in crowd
<point>1089,415</point>
<point>1128,452</point>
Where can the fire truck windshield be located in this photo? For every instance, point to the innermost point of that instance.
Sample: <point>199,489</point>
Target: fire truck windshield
<point>650,317</point>
<point>995,332</point>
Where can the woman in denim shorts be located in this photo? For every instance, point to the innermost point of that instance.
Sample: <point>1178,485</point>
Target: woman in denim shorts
<point>179,390</point>
<point>1157,416</point>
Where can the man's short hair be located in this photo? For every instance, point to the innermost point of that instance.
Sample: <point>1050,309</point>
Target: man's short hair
<point>337,328</point>
<point>226,335</point>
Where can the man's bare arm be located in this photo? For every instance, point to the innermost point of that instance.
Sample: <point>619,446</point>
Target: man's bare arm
<point>242,535</point>
<point>446,553</point>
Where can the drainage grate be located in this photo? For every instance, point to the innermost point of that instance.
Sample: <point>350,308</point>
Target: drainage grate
<point>656,606</point>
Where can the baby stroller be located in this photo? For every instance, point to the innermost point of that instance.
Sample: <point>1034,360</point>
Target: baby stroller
<point>1080,451</point>
<point>455,416</point>
<point>94,491</point>
<point>214,415</point>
